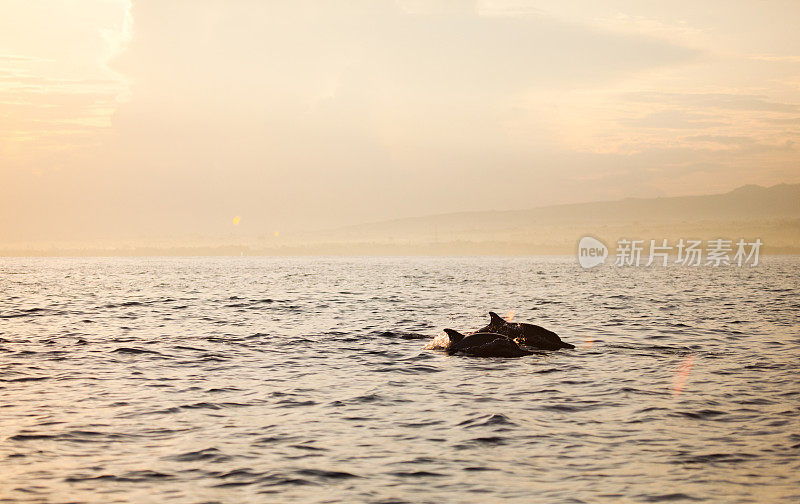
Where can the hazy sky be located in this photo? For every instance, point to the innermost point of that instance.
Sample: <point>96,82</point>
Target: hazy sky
<point>151,119</point>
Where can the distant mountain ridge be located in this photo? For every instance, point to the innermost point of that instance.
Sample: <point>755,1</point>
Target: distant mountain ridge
<point>749,202</point>
<point>771,214</point>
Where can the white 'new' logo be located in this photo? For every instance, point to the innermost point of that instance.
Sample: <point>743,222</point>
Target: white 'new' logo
<point>591,252</point>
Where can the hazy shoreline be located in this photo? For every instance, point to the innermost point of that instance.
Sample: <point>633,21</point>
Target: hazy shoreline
<point>151,253</point>
<point>771,214</point>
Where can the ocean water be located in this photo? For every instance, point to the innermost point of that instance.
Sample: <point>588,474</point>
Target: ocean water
<point>308,380</point>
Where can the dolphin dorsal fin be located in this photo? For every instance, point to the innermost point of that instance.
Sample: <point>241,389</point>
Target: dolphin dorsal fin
<point>496,319</point>
<point>454,336</point>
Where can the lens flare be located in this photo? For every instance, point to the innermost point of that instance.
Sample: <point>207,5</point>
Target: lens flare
<point>682,375</point>
<point>236,220</point>
<point>510,315</point>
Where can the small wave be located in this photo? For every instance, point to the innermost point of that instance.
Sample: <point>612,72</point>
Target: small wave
<point>278,438</point>
<point>420,425</point>
<point>250,303</point>
<point>490,440</point>
<point>564,408</point>
<point>403,335</point>
<point>26,312</point>
<point>319,473</point>
<point>653,349</point>
<point>280,480</point>
<point>712,458</point>
<point>256,335</point>
<point>701,414</point>
<point>213,406</point>
<point>367,398</point>
<point>132,477</point>
<point>417,474</point>
<point>667,497</point>
<point>228,484</point>
<point>307,447</point>
<point>24,379</point>
<point>212,357</point>
<point>135,351</point>
<point>223,389</point>
<point>75,436</point>
<point>142,302</point>
<point>195,349</point>
<point>208,454</point>
<point>291,403</point>
<point>416,369</point>
<point>487,421</point>
<point>31,437</point>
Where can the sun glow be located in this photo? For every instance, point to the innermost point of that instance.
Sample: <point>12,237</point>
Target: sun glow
<point>682,375</point>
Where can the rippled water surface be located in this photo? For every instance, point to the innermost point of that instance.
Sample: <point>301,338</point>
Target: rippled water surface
<point>308,380</point>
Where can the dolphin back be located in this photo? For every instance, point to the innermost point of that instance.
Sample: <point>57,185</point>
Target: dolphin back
<point>500,347</point>
<point>496,324</point>
<point>539,337</point>
<point>527,334</point>
<point>474,340</point>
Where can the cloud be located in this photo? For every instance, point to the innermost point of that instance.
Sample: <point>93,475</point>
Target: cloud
<point>16,58</point>
<point>721,139</point>
<point>359,104</point>
<point>55,82</point>
<point>723,101</point>
<point>672,119</point>
<point>784,121</point>
<point>779,58</point>
<point>313,114</point>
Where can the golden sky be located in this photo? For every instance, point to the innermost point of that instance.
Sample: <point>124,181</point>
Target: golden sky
<point>136,120</point>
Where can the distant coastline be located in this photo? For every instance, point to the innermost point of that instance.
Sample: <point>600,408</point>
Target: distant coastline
<point>769,213</point>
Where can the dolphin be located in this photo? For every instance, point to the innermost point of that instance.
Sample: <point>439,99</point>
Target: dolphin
<point>483,345</point>
<point>529,335</point>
